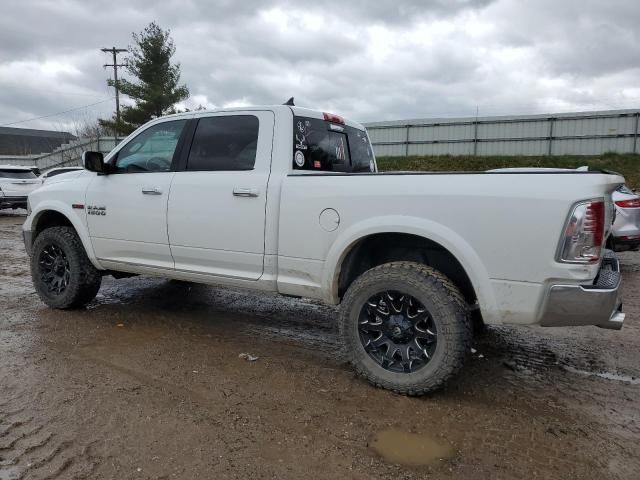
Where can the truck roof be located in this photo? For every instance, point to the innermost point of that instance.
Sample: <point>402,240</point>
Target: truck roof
<point>299,111</point>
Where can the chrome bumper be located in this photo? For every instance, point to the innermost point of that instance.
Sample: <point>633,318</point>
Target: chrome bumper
<point>598,304</point>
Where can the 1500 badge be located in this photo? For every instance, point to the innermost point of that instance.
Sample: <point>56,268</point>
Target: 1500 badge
<point>92,210</point>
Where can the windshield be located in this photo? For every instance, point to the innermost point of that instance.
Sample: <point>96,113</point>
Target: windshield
<point>19,174</point>
<point>323,146</point>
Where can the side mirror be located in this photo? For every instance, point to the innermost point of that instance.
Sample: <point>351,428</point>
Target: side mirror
<point>94,162</point>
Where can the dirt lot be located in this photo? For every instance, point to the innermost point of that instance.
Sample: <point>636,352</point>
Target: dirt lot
<point>147,383</point>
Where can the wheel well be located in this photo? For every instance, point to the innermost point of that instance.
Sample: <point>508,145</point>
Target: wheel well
<point>382,248</point>
<point>50,218</point>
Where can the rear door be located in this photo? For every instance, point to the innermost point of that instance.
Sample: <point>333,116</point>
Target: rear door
<point>216,211</point>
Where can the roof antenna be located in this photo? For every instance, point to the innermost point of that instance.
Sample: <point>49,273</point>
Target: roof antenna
<point>290,102</point>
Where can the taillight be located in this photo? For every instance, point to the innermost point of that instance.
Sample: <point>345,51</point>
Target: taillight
<point>633,203</point>
<point>330,117</point>
<point>584,233</point>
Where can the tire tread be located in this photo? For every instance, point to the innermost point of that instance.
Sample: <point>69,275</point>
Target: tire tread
<point>80,292</point>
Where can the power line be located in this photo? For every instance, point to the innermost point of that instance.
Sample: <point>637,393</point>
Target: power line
<point>57,113</point>
<point>49,91</point>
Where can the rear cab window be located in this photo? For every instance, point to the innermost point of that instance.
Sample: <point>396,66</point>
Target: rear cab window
<point>324,146</point>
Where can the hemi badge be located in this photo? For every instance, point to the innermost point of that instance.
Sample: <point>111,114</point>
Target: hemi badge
<point>79,206</point>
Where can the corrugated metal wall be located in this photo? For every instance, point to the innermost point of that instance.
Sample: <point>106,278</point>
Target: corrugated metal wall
<point>584,133</point>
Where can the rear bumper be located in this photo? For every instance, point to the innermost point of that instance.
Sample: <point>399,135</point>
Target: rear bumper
<point>13,202</point>
<point>598,304</point>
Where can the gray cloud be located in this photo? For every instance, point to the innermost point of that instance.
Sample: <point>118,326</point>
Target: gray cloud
<point>368,60</point>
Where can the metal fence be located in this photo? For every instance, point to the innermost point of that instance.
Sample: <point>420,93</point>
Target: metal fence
<point>585,133</point>
<point>66,155</point>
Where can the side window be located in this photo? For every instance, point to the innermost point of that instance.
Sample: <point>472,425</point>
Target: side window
<point>152,150</point>
<point>224,143</point>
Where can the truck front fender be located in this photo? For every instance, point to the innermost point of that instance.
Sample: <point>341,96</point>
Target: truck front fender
<point>74,216</point>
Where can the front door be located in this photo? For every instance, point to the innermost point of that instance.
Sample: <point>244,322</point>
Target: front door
<point>216,211</point>
<point>127,209</point>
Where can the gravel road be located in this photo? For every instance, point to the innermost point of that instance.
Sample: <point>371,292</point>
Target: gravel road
<point>147,383</point>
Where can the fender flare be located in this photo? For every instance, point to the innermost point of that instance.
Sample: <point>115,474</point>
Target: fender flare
<point>435,232</point>
<point>78,224</point>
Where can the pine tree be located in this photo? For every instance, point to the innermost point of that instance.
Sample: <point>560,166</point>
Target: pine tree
<point>157,90</point>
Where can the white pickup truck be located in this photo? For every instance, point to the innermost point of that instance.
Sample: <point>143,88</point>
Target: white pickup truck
<point>289,200</point>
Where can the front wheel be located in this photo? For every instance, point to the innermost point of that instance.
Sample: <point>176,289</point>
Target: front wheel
<point>62,274</point>
<point>405,327</point>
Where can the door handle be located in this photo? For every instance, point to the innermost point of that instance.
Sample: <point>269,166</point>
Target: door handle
<point>245,192</point>
<point>151,191</point>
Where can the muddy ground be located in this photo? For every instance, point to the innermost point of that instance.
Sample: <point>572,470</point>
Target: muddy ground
<point>147,383</point>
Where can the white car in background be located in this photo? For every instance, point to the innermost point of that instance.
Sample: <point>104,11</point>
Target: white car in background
<point>625,234</point>
<point>16,183</point>
<point>57,171</point>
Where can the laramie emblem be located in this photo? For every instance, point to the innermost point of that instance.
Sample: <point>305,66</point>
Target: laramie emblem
<point>91,210</point>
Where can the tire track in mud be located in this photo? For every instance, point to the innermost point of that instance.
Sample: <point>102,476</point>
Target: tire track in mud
<point>31,448</point>
<point>33,442</point>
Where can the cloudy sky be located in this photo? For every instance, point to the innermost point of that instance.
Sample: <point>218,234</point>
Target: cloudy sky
<point>369,60</point>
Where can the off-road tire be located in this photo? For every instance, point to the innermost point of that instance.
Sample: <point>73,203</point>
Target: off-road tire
<point>447,308</point>
<point>84,278</point>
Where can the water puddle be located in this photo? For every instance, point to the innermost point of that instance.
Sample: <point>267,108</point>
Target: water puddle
<point>606,375</point>
<point>410,449</point>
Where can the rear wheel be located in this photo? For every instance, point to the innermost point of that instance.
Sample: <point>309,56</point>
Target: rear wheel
<point>62,274</point>
<point>406,327</point>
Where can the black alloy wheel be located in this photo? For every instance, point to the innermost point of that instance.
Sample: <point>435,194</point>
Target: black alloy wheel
<point>405,327</point>
<point>397,332</point>
<point>54,269</point>
<point>63,275</point>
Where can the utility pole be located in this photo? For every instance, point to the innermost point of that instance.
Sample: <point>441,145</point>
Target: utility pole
<point>115,51</point>
<point>475,134</point>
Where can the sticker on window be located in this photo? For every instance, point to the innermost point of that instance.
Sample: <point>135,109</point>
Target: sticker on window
<point>318,145</point>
